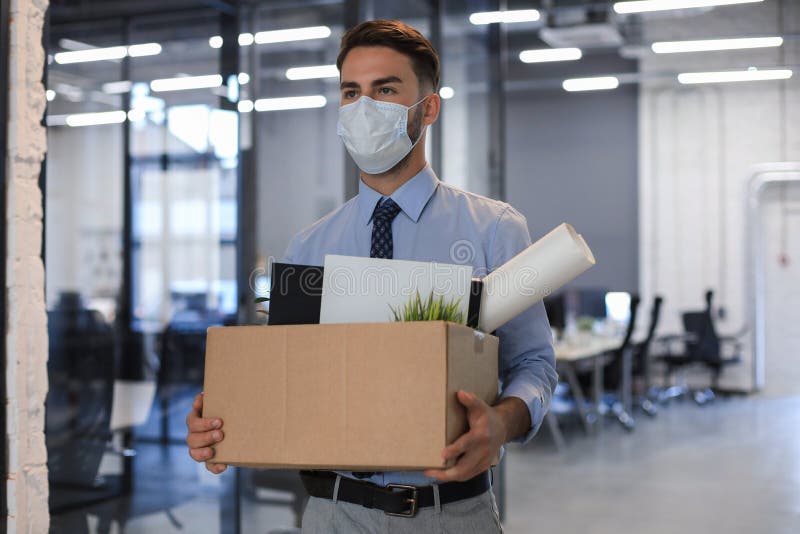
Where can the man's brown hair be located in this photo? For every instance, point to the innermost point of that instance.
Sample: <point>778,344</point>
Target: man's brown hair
<point>400,37</point>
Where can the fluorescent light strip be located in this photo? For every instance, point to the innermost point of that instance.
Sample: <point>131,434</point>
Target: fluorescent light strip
<point>597,83</point>
<point>106,54</point>
<point>505,17</point>
<point>752,75</point>
<point>447,92</point>
<point>646,6</point>
<point>677,47</point>
<point>146,49</point>
<point>295,34</point>
<point>56,120</point>
<point>94,119</point>
<point>276,36</point>
<point>186,83</point>
<point>115,88</point>
<point>50,95</point>
<point>94,54</point>
<point>245,106</point>
<point>550,54</point>
<point>136,115</point>
<point>292,102</point>
<point>310,73</point>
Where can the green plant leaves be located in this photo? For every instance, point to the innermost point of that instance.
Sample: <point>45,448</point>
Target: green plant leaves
<point>429,310</point>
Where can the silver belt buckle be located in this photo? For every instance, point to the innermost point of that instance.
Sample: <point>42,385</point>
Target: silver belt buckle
<point>413,500</point>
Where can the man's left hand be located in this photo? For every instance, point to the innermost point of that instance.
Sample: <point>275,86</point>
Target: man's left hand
<point>475,449</point>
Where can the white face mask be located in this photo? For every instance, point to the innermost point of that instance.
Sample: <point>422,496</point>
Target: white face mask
<point>376,133</point>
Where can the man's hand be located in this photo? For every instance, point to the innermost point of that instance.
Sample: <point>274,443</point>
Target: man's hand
<point>203,433</point>
<point>476,448</point>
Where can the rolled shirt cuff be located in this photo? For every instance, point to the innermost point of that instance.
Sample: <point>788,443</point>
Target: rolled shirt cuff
<point>534,400</point>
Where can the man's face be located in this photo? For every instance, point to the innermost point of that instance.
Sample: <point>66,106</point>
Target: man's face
<point>383,74</point>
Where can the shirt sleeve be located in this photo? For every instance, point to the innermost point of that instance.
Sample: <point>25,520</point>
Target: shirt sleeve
<point>527,365</point>
<point>291,251</point>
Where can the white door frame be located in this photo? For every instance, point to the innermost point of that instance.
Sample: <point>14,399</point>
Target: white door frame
<point>761,177</point>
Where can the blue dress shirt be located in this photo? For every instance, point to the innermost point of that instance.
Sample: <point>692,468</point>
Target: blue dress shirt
<point>442,223</point>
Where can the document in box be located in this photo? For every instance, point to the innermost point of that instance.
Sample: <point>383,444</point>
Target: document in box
<point>364,290</point>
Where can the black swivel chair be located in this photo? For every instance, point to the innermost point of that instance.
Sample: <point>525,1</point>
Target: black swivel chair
<point>615,380</point>
<point>701,346</point>
<point>641,360</point>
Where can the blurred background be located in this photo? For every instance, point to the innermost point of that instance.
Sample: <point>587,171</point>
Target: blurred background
<point>189,140</point>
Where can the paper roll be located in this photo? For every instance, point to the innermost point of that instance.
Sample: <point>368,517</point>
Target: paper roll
<point>533,274</point>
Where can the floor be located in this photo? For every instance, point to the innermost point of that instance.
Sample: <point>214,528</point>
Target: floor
<point>732,466</point>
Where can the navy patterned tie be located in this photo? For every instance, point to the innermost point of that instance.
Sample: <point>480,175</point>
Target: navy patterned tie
<point>382,245</point>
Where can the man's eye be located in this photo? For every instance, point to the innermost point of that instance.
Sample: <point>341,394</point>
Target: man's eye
<point>386,90</point>
<point>349,94</point>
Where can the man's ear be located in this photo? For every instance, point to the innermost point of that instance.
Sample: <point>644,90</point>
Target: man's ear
<point>433,104</point>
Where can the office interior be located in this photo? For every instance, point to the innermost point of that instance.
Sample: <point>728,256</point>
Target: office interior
<point>188,141</point>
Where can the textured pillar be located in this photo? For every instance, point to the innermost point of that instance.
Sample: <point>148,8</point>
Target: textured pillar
<point>26,323</point>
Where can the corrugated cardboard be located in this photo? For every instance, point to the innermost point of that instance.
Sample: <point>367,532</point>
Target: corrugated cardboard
<point>366,396</point>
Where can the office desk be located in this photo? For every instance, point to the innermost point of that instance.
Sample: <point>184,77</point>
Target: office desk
<point>569,354</point>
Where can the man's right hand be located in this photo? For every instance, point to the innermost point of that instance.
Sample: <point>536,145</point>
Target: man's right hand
<point>203,433</point>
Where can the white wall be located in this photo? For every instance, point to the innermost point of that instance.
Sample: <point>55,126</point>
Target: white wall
<point>696,146</point>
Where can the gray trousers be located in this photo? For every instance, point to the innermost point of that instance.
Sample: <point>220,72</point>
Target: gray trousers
<point>476,515</point>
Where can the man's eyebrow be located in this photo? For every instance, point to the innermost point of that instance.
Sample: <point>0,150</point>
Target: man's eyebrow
<point>375,83</point>
<point>388,79</point>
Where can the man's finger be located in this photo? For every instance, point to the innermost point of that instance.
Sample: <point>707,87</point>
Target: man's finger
<point>201,455</point>
<point>216,468</point>
<point>470,400</point>
<point>464,469</point>
<point>200,424</point>
<point>458,447</point>
<point>197,403</point>
<point>196,440</point>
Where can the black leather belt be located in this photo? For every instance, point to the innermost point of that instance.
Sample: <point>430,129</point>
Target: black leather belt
<point>394,499</point>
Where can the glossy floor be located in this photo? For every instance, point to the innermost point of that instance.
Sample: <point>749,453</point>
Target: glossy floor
<point>733,467</point>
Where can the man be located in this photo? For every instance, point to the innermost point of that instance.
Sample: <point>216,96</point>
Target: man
<point>389,83</point>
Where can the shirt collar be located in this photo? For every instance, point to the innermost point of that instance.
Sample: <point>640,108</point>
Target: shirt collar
<point>412,196</point>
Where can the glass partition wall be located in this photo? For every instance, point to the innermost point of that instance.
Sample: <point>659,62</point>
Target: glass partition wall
<point>141,230</point>
<point>84,263</point>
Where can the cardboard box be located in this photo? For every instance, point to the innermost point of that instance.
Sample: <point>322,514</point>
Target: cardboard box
<point>363,397</point>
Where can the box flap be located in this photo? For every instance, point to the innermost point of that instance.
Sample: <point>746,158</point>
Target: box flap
<point>471,366</point>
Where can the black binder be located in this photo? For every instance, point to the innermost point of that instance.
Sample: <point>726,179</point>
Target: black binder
<point>295,294</point>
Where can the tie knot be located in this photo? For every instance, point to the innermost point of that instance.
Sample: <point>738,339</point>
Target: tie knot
<point>386,210</point>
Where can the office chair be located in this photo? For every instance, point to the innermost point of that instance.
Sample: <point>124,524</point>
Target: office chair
<point>81,367</point>
<point>701,346</point>
<point>641,360</point>
<point>183,349</point>
<point>616,378</point>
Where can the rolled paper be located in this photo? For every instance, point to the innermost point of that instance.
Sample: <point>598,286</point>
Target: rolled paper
<point>533,274</point>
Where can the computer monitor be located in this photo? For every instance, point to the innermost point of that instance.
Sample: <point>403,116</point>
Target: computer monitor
<point>618,306</point>
<point>591,303</point>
